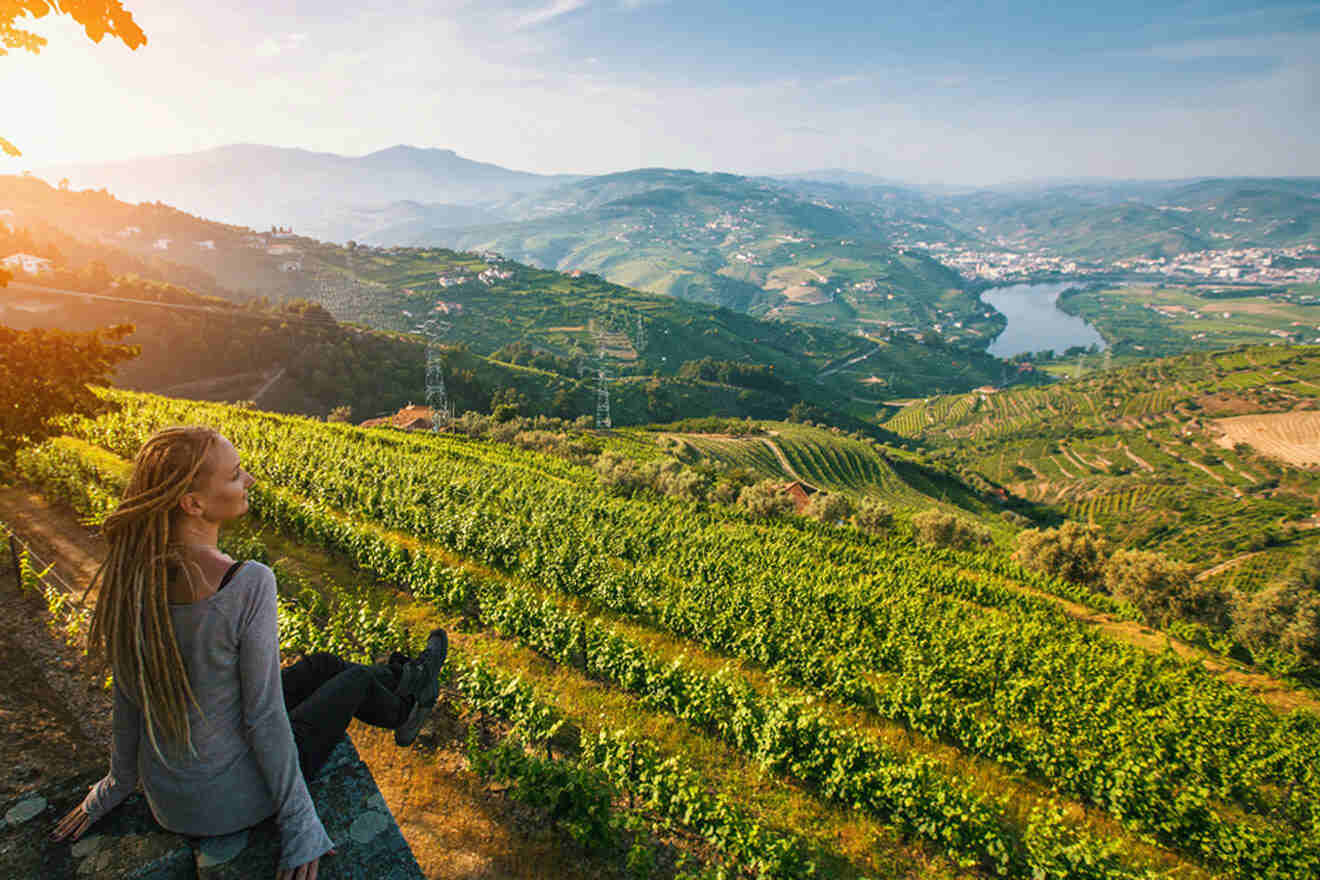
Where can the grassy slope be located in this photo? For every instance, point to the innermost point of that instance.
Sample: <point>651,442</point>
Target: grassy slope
<point>394,290</point>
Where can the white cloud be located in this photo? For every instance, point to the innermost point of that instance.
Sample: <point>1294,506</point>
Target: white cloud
<point>272,46</point>
<point>548,13</point>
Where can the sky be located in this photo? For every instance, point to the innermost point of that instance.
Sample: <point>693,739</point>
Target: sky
<point>924,91</point>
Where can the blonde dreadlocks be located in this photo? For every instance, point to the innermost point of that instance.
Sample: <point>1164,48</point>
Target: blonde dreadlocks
<point>131,625</point>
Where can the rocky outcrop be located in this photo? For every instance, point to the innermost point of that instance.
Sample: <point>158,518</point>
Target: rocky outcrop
<point>129,844</point>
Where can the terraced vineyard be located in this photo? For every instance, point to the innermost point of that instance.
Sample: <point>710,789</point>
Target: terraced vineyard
<point>929,694</point>
<point>1139,451</point>
<point>836,462</point>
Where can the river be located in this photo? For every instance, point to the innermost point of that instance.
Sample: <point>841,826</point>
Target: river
<point>1035,322</point>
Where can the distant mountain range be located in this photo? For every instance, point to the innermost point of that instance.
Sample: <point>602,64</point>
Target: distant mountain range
<point>322,194</point>
<point>831,247</point>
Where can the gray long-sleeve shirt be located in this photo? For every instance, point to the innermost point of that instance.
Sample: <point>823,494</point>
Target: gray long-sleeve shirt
<point>246,767</point>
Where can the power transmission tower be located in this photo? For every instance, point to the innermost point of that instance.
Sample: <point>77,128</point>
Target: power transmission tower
<point>1081,359</point>
<point>602,383</point>
<point>640,343</point>
<point>1109,358</point>
<point>437,398</point>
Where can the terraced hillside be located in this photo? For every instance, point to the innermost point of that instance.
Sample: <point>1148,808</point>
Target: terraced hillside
<point>1142,451</point>
<point>829,459</point>
<point>752,245</point>
<point>791,696</point>
<point>495,306</point>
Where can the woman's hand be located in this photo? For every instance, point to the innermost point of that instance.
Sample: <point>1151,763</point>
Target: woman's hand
<point>75,823</point>
<point>302,872</point>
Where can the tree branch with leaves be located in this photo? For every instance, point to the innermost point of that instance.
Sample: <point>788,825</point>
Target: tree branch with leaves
<point>99,19</point>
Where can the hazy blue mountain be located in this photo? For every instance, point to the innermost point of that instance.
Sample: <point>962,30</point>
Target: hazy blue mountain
<point>316,193</point>
<point>864,181</point>
<point>1118,219</point>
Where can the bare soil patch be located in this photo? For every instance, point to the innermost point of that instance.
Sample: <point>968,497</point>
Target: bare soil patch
<point>1293,437</point>
<point>1227,404</point>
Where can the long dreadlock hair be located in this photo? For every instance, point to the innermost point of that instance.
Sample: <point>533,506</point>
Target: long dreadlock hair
<point>131,626</point>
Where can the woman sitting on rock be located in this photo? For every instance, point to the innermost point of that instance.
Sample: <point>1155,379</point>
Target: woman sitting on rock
<point>219,736</point>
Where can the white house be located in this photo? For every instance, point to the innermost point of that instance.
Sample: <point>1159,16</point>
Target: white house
<point>162,244</point>
<point>28,263</point>
<point>291,266</point>
<point>277,250</point>
<point>208,245</point>
<point>129,232</point>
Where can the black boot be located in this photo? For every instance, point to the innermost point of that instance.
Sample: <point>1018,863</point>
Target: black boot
<point>421,682</point>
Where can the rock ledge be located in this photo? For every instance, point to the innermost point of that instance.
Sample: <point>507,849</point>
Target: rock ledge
<point>129,844</point>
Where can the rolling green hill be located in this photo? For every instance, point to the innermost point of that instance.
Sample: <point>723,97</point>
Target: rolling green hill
<point>493,303</point>
<point>752,245</point>
<point>1131,220</point>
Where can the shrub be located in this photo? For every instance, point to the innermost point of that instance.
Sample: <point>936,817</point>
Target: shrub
<point>874,517</point>
<point>1074,552</point>
<point>671,478</point>
<point>1285,615</point>
<point>1160,588</point>
<point>618,474</point>
<point>766,499</point>
<point>935,526</point>
<point>829,507</point>
<point>729,484</point>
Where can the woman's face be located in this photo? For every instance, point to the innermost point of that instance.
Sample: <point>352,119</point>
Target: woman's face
<point>222,491</point>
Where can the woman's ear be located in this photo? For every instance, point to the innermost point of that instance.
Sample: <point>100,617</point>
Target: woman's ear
<point>190,505</point>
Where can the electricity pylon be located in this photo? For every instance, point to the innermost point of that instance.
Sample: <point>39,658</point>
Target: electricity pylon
<point>437,398</point>
<point>602,383</point>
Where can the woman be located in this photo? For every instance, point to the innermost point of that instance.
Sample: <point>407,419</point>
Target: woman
<point>220,737</point>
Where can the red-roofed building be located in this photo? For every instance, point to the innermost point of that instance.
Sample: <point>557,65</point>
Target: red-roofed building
<point>801,493</point>
<point>410,418</point>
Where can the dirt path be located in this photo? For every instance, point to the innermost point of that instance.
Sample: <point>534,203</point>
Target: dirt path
<point>1226,565</point>
<point>1138,459</point>
<point>54,715</point>
<point>256,398</point>
<point>783,459</point>
<point>55,535</point>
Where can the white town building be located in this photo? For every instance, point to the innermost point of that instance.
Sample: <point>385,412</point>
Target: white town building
<point>28,263</point>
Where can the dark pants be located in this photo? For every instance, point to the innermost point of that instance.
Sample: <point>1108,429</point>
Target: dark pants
<point>323,694</point>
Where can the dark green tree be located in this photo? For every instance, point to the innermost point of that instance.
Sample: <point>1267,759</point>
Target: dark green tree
<point>44,374</point>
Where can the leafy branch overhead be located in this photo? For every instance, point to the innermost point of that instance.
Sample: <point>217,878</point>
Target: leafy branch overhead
<point>99,19</point>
